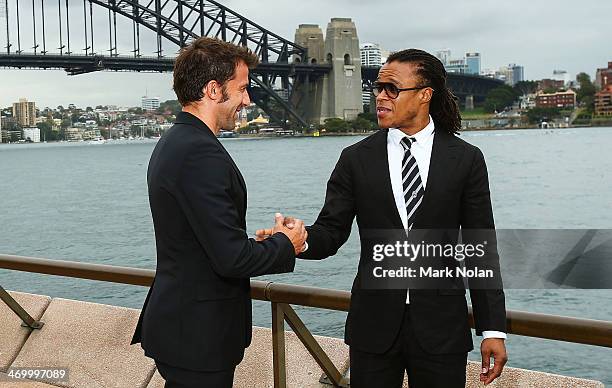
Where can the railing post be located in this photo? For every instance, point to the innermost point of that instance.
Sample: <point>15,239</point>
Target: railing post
<point>27,319</point>
<point>278,346</point>
<point>313,347</point>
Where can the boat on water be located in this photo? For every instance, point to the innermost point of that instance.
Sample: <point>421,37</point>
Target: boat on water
<point>227,134</point>
<point>97,140</point>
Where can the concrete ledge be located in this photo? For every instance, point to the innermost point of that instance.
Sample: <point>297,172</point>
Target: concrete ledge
<point>256,371</point>
<point>302,370</point>
<point>12,334</point>
<point>92,341</point>
<point>524,378</point>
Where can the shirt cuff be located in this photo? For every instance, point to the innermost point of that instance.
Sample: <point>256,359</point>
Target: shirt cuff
<point>305,246</point>
<point>493,334</point>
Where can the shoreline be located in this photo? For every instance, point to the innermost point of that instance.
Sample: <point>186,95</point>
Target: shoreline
<point>302,135</point>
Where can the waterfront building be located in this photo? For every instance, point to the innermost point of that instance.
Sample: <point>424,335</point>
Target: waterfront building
<point>548,83</point>
<point>150,103</point>
<point>603,77</point>
<point>24,112</point>
<point>527,101</point>
<point>603,101</point>
<point>73,134</point>
<point>33,134</point>
<point>565,99</point>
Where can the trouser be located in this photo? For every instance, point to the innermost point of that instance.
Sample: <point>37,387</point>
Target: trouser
<point>424,370</point>
<point>184,378</point>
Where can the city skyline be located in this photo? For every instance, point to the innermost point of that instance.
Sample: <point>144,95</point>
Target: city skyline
<point>568,38</point>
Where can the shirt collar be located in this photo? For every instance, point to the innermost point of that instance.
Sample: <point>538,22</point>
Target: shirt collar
<point>421,137</point>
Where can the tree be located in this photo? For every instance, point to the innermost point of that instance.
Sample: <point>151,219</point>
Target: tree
<point>586,94</point>
<point>362,124</point>
<point>525,87</point>
<point>537,115</point>
<point>499,98</point>
<point>172,106</point>
<point>46,130</point>
<point>369,116</point>
<point>66,123</point>
<point>336,125</point>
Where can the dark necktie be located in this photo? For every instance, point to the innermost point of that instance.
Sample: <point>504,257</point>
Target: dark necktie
<point>411,181</point>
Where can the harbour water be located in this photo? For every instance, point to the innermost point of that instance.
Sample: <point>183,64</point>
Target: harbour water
<point>74,201</point>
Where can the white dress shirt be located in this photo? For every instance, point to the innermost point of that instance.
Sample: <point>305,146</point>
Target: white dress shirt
<point>421,150</point>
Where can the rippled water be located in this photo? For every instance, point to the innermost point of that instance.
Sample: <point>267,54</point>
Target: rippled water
<point>89,203</point>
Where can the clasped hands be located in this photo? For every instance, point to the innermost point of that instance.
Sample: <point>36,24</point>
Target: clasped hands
<point>291,227</point>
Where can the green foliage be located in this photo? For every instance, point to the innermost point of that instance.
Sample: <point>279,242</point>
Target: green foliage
<point>586,94</point>
<point>170,105</point>
<point>525,87</point>
<point>362,124</point>
<point>370,117</point>
<point>536,115</point>
<point>500,98</point>
<point>66,123</point>
<point>46,130</point>
<point>336,125</point>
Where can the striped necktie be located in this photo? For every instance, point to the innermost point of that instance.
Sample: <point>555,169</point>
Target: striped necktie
<point>411,181</point>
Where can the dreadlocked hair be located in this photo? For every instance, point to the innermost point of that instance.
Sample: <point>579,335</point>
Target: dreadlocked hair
<point>443,107</point>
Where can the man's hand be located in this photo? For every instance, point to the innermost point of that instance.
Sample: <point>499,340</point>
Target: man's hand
<point>293,228</point>
<point>262,234</point>
<point>492,347</point>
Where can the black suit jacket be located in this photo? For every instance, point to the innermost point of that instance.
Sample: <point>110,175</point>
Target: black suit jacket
<point>456,195</point>
<point>197,314</point>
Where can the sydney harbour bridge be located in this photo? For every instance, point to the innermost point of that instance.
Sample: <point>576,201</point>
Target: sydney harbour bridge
<point>298,82</point>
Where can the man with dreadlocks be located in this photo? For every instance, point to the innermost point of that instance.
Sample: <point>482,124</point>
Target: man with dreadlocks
<point>415,173</point>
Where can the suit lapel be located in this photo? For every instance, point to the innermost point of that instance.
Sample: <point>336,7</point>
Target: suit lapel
<point>376,165</point>
<point>445,156</point>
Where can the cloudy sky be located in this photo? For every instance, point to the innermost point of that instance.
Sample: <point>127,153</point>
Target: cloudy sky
<point>541,35</point>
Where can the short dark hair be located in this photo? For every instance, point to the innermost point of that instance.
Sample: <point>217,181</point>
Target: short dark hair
<point>443,107</point>
<point>205,60</point>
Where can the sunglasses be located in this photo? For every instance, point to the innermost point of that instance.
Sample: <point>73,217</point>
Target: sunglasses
<point>391,90</point>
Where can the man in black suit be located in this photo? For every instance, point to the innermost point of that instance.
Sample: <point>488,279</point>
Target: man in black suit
<point>196,319</point>
<point>415,174</point>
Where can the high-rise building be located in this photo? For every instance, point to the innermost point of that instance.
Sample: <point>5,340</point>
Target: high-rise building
<point>150,103</point>
<point>444,56</point>
<point>603,77</point>
<point>511,74</point>
<point>371,54</point>
<point>456,66</point>
<point>24,112</point>
<point>472,63</point>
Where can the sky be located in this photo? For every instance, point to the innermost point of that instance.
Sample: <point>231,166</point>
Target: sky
<point>541,35</point>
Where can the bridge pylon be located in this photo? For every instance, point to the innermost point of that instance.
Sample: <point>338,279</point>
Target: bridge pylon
<point>337,93</point>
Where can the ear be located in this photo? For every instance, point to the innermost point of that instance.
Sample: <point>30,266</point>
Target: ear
<point>212,90</point>
<point>426,95</point>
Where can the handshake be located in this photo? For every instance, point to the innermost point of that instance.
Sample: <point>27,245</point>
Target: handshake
<point>291,227</point>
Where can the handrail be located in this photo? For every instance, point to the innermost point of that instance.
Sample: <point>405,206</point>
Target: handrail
<point>560,328</point>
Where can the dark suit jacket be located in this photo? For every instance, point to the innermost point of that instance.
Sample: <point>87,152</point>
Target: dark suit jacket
<point>197,314</point>
<point>457,194</point>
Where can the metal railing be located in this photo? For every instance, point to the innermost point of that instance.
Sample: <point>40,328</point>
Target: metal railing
<point>281,296</point>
